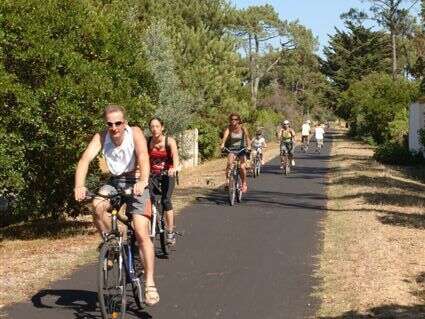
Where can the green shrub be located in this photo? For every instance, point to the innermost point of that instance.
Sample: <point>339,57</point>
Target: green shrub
<point>397,154</point>
<point>377,106</point>
<point>209,140</point>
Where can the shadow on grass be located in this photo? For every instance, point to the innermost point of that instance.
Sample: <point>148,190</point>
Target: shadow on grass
<point>391,311</point>
<point>47,228</point>
<point>415,220</point>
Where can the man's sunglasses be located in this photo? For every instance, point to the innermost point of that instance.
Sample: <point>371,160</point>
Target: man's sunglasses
<point>118,123</point>
<point>234,119</point>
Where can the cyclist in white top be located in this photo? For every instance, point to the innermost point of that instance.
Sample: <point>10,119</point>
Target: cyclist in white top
<point>319,134</point>
<point>126,154</point>
<point>257,145</point>
<point>305,134</point>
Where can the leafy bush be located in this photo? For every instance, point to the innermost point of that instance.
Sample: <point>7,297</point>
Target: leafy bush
<point>209,140</point>
<point>61,62</point>
<point>377,106</point>
<point>397,154</point>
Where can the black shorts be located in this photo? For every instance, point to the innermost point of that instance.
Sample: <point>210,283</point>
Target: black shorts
<point>166,188</point>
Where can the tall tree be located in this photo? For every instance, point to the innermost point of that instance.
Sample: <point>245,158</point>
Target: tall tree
<point>392,16</point>
<point>354,53</point>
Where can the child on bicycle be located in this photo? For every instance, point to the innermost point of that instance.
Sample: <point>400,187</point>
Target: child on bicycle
<point>257,145</point>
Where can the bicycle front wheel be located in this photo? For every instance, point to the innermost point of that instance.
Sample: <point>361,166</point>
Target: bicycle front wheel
<point>232,191</point>
<point>112,281</point>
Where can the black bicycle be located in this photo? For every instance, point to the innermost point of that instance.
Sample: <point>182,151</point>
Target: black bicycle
<point>117,263</point>
<point>234,177</point>
<point>158,230</point>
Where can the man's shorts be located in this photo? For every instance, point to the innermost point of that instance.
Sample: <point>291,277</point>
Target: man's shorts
<point>138,205</point>
<point>319,141</point>
<point>286,148</point>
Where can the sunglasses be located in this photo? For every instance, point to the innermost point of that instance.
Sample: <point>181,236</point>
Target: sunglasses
<point>117,124</point>
<point>234,119</point>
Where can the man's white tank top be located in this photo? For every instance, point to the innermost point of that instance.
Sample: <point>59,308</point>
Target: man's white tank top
<point>120,159</point>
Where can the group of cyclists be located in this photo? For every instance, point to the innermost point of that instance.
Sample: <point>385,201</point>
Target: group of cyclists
<point>133,160</point>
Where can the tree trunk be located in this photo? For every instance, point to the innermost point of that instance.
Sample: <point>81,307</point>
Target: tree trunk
<point>394,48</point>
<point>255,76</point>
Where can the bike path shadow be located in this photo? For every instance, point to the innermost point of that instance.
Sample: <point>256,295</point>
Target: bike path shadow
<point>83,303</point>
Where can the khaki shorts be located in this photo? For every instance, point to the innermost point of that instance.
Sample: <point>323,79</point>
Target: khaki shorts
<point>140,204</point>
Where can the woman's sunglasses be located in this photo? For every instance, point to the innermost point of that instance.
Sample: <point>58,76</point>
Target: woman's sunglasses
<point>117,124</point>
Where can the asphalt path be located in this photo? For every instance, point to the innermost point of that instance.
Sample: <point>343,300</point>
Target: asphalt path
<point>253,261</point>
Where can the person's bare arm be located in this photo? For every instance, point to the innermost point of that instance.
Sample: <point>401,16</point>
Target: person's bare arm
<point>225,136</point>
<point>279,134</point>
<point>175,154</point>
<point>89,154</point>
<point>293,135</point>
<point>142,159</point>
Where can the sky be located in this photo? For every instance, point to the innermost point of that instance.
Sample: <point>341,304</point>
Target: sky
<point>321,16</point>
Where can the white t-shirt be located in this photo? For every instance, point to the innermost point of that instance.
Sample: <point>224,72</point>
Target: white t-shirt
<point>305,129</point>
<point>258,142</point>
<point>319,132</point>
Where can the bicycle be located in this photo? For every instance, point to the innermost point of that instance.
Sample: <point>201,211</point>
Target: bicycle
<point>305,143</point>
<point>284,160</point>
<point>117,264</point>
<point>234,176</point>
<point>158,213</point>
<point>319,145</point>
<point>256,164</point>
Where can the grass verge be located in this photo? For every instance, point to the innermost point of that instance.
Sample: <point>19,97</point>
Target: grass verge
<point>373,259</point>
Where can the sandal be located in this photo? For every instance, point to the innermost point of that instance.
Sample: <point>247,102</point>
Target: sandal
<point>151,296</point>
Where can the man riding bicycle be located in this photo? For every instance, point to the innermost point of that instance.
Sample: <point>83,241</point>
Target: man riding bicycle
<point>287,142</point>
<point>125,151</point>
<point>257,145</point>
<point>236,139</point>
<point>164,156</point>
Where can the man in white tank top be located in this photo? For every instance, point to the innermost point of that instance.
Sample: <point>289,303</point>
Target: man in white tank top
<point>125,151</point>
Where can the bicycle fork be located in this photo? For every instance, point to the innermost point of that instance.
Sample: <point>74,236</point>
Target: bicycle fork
<point>132,273</point>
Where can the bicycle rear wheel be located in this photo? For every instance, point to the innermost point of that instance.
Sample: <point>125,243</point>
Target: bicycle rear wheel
<point>112,281</point>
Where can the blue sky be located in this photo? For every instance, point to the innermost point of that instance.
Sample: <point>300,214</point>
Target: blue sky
<point>321,16</point>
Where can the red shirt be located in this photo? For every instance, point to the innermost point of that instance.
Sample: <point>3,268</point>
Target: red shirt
<point>160,160</point>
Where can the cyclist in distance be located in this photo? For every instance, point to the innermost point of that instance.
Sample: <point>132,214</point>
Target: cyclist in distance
<point>236,138</point>
<point>257,145</point>
<point>287,141</point>
<point>164,156</point>
<point>319,134</point>
<point>305,133</point>
<point>125,151</point>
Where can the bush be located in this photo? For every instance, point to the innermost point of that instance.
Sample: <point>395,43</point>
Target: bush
<point>377,106</point>
<point>397,154</point>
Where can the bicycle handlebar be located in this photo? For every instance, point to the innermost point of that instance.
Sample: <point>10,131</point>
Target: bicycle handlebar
<point>227,151</point>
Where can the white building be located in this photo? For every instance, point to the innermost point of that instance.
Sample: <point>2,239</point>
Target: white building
<point>416,122</point>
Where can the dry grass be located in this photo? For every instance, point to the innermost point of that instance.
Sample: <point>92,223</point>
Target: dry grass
<point>35,255</point>
<point>373,259</point>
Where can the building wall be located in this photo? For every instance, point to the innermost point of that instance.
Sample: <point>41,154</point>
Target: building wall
<point>416,122</point>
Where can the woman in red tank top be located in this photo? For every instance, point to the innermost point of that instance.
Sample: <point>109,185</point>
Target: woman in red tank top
<point>164,156</point>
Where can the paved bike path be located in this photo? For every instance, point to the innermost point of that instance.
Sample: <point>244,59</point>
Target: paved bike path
<point>251,261</point>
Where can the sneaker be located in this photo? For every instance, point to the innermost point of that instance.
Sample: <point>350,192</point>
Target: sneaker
<point>171,238</point>
<point>293,162</point>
